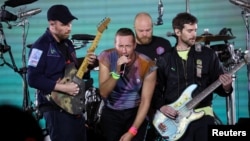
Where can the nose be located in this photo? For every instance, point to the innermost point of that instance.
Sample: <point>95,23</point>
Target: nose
<point>124,50</point>
<point>144,33</point>
<point>69,26</point>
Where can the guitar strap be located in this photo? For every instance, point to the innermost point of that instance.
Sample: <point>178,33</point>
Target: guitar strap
<point>63,47</point>
<point>198,62</point>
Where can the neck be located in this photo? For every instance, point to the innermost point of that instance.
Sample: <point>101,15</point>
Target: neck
<point>182,48</point>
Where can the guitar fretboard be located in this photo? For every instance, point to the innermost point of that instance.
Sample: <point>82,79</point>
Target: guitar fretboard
<point>83,68</point>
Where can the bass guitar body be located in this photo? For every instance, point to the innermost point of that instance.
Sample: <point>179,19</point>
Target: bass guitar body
<point>177,127</point>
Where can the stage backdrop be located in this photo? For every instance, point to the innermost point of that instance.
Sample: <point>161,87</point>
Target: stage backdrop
<point>212,14</point>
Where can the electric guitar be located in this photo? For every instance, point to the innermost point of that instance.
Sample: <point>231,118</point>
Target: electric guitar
<point>76,104</point>
<point>185,104</point>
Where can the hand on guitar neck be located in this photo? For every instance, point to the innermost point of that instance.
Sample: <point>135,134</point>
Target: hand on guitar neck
<point>91,57</point>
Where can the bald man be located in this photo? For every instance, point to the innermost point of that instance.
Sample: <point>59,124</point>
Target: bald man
<point>147,43</point>
<point>152,46</point>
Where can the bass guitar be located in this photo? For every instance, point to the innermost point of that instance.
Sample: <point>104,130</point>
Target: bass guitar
<point>76,104</point>
<point>185,104</point>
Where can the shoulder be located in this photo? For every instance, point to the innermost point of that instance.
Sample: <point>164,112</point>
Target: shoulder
<point>145,62</point>
<point>143,56</point>
<point>106,53</point>
<point>207,50</point>
<point>166,55</point>
<point>161,39</point>
<point>205,53</point>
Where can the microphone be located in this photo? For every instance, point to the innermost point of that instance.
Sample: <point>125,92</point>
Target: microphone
<point>170,34</point>
<point>29,13</point>
<point>122,70</point>
<point>123,67</point>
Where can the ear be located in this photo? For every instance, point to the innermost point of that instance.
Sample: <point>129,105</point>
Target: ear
<point>52,25</point>
<point>177,32</point>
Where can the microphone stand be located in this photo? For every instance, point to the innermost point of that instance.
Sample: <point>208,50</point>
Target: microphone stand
<point>230,102</point>
<point>7,49</point>
<point>187,6</point>
<point>245,16</point>
<point>23,70</point>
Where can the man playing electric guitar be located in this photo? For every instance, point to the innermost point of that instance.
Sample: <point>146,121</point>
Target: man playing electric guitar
<point>49,57</point>
<point>187,63</point>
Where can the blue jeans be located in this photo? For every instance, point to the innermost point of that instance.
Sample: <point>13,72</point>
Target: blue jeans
<point>62,126</point>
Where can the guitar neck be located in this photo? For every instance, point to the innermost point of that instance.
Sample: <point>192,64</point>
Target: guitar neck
<point>84,66</point>
<point>197,99</point>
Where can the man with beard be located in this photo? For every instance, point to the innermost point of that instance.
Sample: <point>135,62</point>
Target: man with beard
<point>50,55</point>
<point>152,46</point>
<point>188,63</point>
<point>127,92</point>
<point>147,43</point>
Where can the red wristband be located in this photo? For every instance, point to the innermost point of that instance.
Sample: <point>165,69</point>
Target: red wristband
<point>133,130</point>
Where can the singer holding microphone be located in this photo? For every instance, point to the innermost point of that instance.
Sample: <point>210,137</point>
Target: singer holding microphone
<point>126,82</point>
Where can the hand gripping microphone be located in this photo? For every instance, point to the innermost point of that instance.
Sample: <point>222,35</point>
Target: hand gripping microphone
<point>122,69</point>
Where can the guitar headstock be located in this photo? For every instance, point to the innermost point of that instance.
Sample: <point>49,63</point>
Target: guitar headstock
<point>103,24</point>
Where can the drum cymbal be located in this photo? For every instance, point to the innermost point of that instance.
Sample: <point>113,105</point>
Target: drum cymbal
<point>213,38</point>
<point>83,37</point>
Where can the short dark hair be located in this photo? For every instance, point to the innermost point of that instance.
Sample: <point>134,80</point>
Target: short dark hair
<point>183,18</point>
<point>125,32</point>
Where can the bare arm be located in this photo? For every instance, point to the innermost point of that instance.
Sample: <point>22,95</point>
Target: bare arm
<point>146,96</point>
<point>106,82</point>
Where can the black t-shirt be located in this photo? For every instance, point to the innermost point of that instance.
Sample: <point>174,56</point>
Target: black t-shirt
<point>157,47</point>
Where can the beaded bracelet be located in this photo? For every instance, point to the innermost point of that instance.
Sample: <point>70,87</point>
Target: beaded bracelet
<point>115,75</point>
<point>132,130</point>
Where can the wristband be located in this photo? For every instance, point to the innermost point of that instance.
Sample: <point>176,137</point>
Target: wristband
<point>132,130</point>
<point>115,75</point>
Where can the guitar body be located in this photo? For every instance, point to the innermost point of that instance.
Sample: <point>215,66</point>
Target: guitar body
<point>75,105</point>
<point>176,128</point>
<point>71,104</point>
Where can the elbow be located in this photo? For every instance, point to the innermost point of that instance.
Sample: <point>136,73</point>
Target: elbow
<point>103,94</point>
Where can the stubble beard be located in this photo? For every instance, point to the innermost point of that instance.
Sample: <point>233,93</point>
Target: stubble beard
<point>144,40</point>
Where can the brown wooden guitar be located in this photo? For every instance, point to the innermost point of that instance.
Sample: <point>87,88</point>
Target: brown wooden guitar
<point>76,104</point>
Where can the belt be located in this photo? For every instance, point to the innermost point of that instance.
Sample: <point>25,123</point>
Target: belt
<point>208,110</point>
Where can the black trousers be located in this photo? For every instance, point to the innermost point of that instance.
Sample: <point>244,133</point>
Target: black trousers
<point>196,130</point>
<point>115,123</point>
<point>64,127</point>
